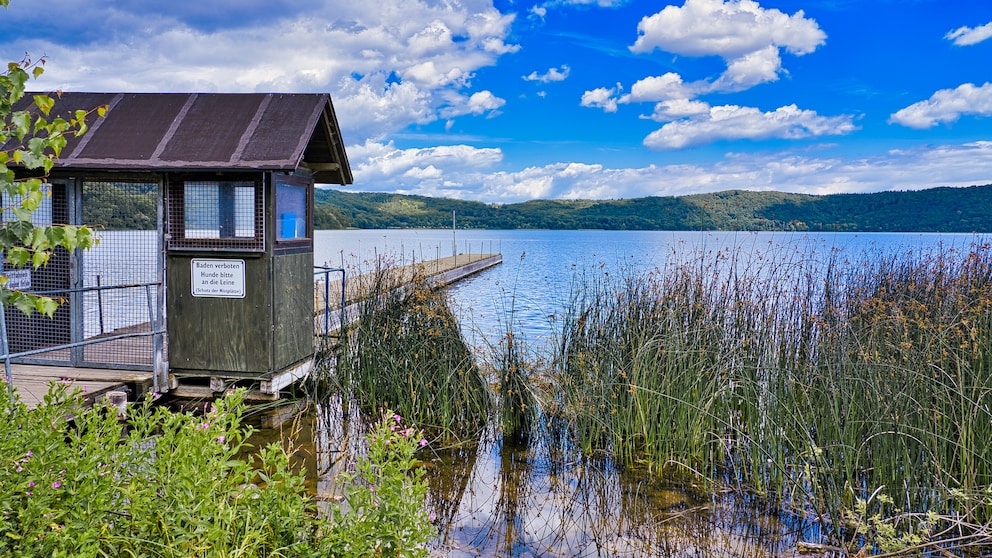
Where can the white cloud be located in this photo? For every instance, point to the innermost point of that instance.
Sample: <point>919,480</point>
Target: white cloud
<point>966,36</point>
<point>946,105</point>
<point>754,68</point>
<point>553,74</point>
<point>666,111</point>
<point>743,33</point>
<point>659,88</point>
<point>391,63</point>
<point>479,103</point>
<point>731,122</point>
<point>388,168</point>
<point>727,29</point>
<point>459,171</point>
<point>601,97</point>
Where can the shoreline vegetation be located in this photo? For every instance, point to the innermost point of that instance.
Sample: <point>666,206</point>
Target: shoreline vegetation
<point>851,397</point>
<point>948,210</point>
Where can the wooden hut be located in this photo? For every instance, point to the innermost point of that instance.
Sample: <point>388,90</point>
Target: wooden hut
<point>204,204</point>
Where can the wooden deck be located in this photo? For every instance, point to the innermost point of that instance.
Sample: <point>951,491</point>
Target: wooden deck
<point>32,381</point>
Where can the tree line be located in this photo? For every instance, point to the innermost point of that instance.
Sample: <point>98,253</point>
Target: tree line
<point>933,210</point>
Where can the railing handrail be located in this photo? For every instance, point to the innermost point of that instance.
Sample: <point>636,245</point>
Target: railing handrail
<point>326,272</point>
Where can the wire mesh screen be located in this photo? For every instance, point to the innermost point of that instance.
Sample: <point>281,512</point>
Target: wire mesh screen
<point>121,275</point>
<point>216,215</point>
<point>106,294</point>
<point>35,332</point>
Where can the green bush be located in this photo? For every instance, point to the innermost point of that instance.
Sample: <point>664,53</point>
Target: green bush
<point>165,484</point>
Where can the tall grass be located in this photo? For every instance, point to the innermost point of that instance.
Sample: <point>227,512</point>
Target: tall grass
<point>807,383</point>
<point>406,352</point>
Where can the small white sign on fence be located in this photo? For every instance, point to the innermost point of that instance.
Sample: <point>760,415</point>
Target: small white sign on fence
<point>218,278</point>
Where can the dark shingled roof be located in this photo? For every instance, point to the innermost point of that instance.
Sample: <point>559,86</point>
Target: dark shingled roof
<point>207,131</point>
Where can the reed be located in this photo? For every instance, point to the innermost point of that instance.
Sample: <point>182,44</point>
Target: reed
<point>406,352</point>
<point>809,383</point>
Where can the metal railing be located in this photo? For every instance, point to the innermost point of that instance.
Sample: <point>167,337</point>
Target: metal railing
<point>318,271</point>
<point>156,328</point>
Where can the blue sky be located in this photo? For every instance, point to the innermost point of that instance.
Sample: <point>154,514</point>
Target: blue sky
<point>507,101</point>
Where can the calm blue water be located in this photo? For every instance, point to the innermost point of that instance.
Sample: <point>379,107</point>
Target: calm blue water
<point>540,267</point>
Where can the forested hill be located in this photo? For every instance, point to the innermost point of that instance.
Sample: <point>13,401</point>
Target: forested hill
<point>933,210</point>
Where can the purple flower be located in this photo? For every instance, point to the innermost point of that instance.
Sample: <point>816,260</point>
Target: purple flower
<point>56,484</point>
<point>423,442</point>
<point>220,439</point>
<point>31,484</point>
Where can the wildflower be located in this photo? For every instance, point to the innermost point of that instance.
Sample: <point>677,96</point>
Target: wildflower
<point>422,442</point>
<point>31,484</point>
<point>56,484</point>
<point>220,439</point>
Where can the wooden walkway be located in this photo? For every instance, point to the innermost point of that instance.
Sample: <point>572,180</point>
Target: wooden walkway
<point>440,272</point>
<point>32,381</point>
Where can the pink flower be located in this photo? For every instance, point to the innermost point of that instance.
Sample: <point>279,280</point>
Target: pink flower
<point>220,439</point>
<point>56,484</point>
<point>423,442</point>
<point>31,484</point>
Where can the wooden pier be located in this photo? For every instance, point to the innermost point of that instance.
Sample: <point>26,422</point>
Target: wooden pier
<point>32,380</point>
<point>438,273</point>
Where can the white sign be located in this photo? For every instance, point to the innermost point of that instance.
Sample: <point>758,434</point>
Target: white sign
<point>218,278</point>
<point>18,279</point>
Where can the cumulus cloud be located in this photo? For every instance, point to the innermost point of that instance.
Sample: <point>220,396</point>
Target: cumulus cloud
<point>601,97</point>
<point>553,74</point>
<point>395,62</point>
<point>966,36</point>
<point>946,106</point>
<point>461,171</point>
<point>747,36</point>
<point>659,88</point>
<point>731,122</point>
<point>674,109</point>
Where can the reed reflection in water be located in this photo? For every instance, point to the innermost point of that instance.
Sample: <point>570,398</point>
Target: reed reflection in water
<point>546,499</point>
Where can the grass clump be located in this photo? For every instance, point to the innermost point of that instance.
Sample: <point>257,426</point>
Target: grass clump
<point>406,352</point>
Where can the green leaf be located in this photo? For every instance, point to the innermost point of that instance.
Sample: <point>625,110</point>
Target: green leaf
<point>21,123</point>
<point>46,305</point>
<point>21,230</point>
<point>18,256</point>
<point>40,258</point>
<point>24,303</point>
<point>44,102</point>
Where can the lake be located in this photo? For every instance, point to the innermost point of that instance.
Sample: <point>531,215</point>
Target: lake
<point>498,499</point>
<point>540,266</point>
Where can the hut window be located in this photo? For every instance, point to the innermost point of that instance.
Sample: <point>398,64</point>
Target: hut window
<point>219,210</point>
<point>217,215</point>
<point>291,211</point>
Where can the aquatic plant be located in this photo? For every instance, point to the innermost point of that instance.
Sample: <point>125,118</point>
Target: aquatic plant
<point>406,352</point>
<point>805,382</point>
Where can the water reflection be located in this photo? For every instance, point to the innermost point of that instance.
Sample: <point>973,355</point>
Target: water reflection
<point>545,499</point>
